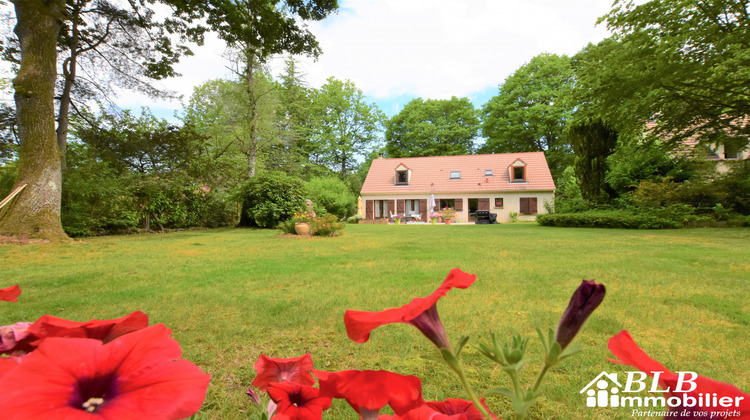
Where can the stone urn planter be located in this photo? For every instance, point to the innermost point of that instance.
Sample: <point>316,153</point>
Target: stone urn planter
<point>302,228</point>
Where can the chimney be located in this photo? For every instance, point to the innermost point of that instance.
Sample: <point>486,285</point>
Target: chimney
<point>380,156</point>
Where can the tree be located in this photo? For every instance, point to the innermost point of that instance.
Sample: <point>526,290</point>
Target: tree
<point>157,158</point>
<point>104,44</point>
<point>530,111</point>
<point>681,63</point>
<point>290,153</point>
<point>258,30</point>
<point>593,141</point>
<point>36,212</point>
<point>343,124</point>
<point>433,128</point>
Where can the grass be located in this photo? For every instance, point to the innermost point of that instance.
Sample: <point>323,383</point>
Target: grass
<point>231,294</point>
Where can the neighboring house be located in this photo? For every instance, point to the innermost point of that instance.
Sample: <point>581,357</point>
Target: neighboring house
<point>722,154</point>
<point>501,183</point>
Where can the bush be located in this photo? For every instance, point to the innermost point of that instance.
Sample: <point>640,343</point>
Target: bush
<point>328,225</point>
<point>608,219</point>
<point>287,226</point>
<point>270,198</point>
<point>333,194</point>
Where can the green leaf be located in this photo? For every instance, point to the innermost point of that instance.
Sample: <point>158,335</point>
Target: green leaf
<point>461,343</point>
<point>502,391</point>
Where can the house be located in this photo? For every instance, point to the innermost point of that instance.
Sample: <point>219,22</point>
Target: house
<point>722,154</point>
<point>501,183</point>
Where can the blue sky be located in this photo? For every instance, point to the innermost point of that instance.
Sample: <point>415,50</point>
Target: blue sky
<point>396,50</point>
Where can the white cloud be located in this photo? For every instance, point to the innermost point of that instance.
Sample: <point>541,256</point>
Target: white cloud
<point>437,49</point>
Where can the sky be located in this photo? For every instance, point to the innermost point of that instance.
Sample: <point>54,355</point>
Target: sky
<point>398,50</point>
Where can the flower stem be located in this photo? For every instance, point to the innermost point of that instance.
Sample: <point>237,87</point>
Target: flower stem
<point>539,377</point>
<point>459,369</point>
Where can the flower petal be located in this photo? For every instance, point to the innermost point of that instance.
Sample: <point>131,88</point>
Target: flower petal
<point>372,390</point>
<point>293,369</point>
<point>624,348</point>
<point>359,324</point>
<point>10,294</point>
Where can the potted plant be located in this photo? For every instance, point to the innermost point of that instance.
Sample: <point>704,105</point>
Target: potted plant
<point>448,214</point>
<point>398,218</point>
<point>434,218</point>
<point>302,222</point>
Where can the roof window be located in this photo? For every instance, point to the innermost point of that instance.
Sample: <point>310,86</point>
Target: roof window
<point>455,175</point>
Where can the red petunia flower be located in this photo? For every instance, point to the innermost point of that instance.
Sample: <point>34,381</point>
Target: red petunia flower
<point>624,348</point>
<point>104,330</point>
<point>368,391</point>
<point>458,406</point>
<point>293,369</point>
<point>297,402</point>
<point>420,312</point>
<point>10,294</point>
<point>425,412</point>
<point>137,376</point>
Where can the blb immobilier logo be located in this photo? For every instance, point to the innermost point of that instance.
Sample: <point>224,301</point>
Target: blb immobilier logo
<point>607,390</point>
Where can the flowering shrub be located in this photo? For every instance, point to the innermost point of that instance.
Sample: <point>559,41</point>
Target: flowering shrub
<point>303,216</point>
<point>328,225</point>
<point>448,212</point>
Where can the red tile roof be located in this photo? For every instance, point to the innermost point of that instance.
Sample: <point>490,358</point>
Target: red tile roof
<point>432,174</point>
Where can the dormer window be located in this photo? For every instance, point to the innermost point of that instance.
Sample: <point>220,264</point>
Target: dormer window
<point>402,175</point>
<point>455,175</point>
<point>517,171</point>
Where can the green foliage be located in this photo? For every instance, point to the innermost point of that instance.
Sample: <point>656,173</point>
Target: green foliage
<point>287,227</point>
<point>730,191</point>
<point>530,111</point>
<point>269,198</point>
<point>593,141</point>
<point>8,174</point>
<point>568,197</point>
<point>343,124</point>
<point>433,128</point>
<point>632,162</point>
<point>95,197</point>
<point>326,225</point>
<point>681,62</point>
<point>333,194</point>
<point>608,219</point>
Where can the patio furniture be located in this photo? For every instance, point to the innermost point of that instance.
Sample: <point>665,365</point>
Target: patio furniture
<point>484,217</point>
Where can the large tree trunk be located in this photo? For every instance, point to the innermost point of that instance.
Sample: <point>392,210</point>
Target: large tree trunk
<point>35,213</point>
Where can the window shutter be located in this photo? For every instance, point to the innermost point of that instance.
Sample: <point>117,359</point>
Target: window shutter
<point>369,209</point>
<point>391,208</point>
<point>532,205</point>
<point>483,204</point>
<point>423,209</point>
<point>459,204</point>
<point>400,207</point>
<point>524,206</point>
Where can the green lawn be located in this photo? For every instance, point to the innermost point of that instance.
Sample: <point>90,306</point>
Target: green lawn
<point>231,294</point>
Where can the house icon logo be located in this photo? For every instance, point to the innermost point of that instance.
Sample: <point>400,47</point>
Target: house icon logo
<point>603,391</point>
